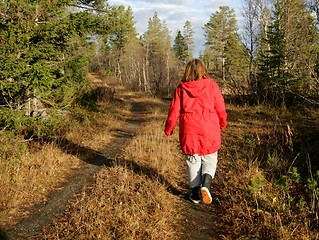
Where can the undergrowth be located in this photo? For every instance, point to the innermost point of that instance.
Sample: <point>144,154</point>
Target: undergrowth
<point>33,160</point>
<point>274,174</point>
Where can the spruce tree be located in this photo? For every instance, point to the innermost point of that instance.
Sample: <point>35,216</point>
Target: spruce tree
<point>188,34</point>
<point>228,56</point>
<point>157,41</point>
<point>288,66</point>
<point>180,48</point>
<point>256,15</point>
<point>44,63</point>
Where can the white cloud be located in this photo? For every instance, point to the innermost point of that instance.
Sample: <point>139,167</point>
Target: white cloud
<point>175,13</point>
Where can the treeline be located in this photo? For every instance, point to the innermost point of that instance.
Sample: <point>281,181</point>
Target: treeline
<point>276,57</point>
<point>48,47</point>
<point>282,42</point>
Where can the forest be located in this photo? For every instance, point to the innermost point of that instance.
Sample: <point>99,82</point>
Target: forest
<point>49,48</point>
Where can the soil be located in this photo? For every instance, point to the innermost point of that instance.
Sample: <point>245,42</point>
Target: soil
<point>201,220</point>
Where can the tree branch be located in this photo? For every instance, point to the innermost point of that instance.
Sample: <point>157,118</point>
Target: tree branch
<point>88,8</point>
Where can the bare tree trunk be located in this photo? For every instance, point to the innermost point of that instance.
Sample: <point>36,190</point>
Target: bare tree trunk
<point>139,76</point>
<point>223,68</point>
<point>119,73</point>
<point>145,78</point>
<point>28,106</point>
<point>145,72</point>
<point>168,73</point>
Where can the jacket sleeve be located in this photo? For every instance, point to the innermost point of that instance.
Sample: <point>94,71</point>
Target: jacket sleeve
<point>220,107</point>
<point>174,112</point>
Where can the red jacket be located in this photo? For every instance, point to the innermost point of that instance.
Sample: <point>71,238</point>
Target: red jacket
<point>200,107</point>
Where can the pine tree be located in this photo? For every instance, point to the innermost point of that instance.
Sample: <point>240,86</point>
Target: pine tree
<point>116,32</point>
<point>288,67</point>
<point>188,35</point>
<point>228,56</point>
<point>218,30</point>
<point>256,15</point>
<point>120,26</point>
<point>157,37</point>
<point>180,48</point>
<point>237,66</point>
<point>157,41</point>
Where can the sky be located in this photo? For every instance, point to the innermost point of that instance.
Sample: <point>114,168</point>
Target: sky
<point>176,12</point>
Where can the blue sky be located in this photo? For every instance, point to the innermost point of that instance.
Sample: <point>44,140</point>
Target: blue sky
<point>176,12</point>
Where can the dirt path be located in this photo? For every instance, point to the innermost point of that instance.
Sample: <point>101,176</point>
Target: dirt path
<point>201,221</point>
<point>58,200</point>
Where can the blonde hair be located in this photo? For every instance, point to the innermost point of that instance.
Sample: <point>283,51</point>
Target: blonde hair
<point>195,70</point>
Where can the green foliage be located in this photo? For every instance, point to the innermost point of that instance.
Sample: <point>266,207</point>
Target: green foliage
<point>30,127</point>
<point>286,67</point>
<point>188,34</point>
<point>157,42</point>
<point>88,99</point>
<point>295,175</point>
<point>180,48</point>
<point>12,120</point>
<point>45,53</point>
<point>157,37</point>
<point>257,184</point>
<point>117,28</point>
<point>41,50</point>
<point>312,186</point>
<point>224,52</point>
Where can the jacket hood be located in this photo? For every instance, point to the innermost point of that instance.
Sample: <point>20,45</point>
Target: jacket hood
<point>196,88</point>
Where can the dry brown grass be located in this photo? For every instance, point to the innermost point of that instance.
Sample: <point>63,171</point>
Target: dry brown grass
<point>97,134</point>
<point>131,199</point>
<point>26,179</point>
<point>135,198</point>
<point>121,205</point>
<point>256,153</point>
<point>152,149</point>
<point>30,169</point>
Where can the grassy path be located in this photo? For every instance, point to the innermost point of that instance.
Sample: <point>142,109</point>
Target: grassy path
<point>58,200</point>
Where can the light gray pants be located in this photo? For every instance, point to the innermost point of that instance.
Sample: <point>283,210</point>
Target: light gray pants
<point>198,165</point>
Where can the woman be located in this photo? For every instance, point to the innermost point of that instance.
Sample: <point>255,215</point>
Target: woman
<point>200,107</point>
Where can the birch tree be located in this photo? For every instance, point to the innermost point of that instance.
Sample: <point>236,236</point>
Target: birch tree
<point>256,17</point>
